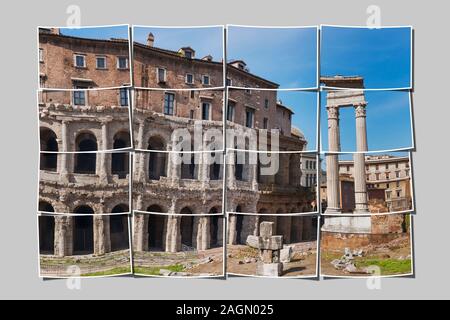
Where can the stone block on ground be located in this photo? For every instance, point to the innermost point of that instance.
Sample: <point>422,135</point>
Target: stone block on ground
<point>269,269</point>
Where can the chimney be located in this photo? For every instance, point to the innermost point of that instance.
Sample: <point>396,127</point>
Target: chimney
<point>150,39</point>
<point>208,58</point>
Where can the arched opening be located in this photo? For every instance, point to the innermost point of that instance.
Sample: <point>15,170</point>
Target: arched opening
<point>239,167</point>
<point>186,227</point>
<point>85,162</point>
<point>83,233</point>
<point>215,229</point>
<point>157,160</point>
<point>118,228</point>
<point>47,235</point>
<point>120,160</point>
<point>284,228</point>
<point>49,161</point>
<point>45,206</point>
<point>156,226</point>
<point>188,167</point>
<point>215,168</point>
<point>239,226</point>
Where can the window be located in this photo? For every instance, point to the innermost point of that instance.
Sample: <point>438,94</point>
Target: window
<point>387,166</point>
<point>348,168</point>
<point>399,194</point>
<point>192,94</point>
<point>249,115</point>
<point>266,103</point>
<point>398,184</point>
<point>206,106</point>
<point>191,114</point>
<point>124,97</point>
<point>80,61</point>
<point>388,194</point>
<point>169,100</point>
<point>397,174</point>
<point>101,62</point>
<point>229,82</point>
<point>188,54</point>
<point>205,80</point>
<point>377,167</point>
<point>230,111</point>
<point>122,63</point>
<point>162,74</point>
<point>189,78</point>
<point>79,97</point>
<point>265,123</point>
<point>41,55</point>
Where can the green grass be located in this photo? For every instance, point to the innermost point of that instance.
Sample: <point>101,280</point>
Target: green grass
<point>154,271</point>
<point>114,271</point>
<point>387,266</point>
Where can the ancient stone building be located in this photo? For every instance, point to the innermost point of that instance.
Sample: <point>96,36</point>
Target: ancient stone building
<point>82,190</point>
<point>78,125</point>
<point>182,183</point>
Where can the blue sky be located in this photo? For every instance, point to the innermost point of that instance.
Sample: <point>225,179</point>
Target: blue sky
<point>287,56</point>
<point>97,32</point>
<point>381,56</point>
<point>304,104</point>
<point>388,122</point>
<point>204,41</point>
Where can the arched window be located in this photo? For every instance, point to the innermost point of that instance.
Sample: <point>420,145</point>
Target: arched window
<point>157,160</point>
<point>188,167</point>
<point>156,227</point>
<point>85,162</point>
<point>45,206</point>
<point>215,168</point>
<point>83,233</point>
<point>186,227</point>
<point>118,226</point>
<point>47,235</point>
<point>120,160</point>
<point>49,142</point>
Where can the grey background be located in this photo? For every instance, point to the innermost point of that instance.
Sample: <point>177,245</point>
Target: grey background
<point>19,160</point>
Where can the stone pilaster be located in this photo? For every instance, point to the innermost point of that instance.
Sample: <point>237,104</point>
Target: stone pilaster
<point>361,199</point>
<point>104,156</point>
<point>141,155</point>
<point>232,229</point>
<point>64,162</point>
<point>332,161</point>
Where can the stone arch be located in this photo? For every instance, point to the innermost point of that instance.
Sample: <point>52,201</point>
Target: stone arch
<point>45,206</point>
<point>83,231</point>
<point>47,235</point>
<point>157,162</point>
<point>215,169</point>
<point>187,227</point>
<point>215,228</point>
<point>85,162</point>
<point>156,229</point>
<point>120,160</point>
<point>118,228</point>
<point>49,142</point>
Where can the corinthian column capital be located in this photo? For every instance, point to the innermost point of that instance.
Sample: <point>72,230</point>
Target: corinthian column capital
<point>333,112</point>
<point>360,110</point>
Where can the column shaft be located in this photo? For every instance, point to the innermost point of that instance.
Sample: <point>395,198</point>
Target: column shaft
<point>332,161</point>
<point>361,199</point>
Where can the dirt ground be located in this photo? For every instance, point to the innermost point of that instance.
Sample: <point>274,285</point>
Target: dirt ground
<point>393,258</point>
<point>241,260</point>
<point>208,262</point>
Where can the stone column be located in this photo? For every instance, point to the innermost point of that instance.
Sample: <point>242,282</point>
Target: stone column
<point>203,233</point>
<point>230,163</point>
<point>361,199</point>
<point>64,156</point>
<point>232,229</point>
<point>104,156</point>
<point>141,155</point>
<point>61,236</point>
<point>332,161</point>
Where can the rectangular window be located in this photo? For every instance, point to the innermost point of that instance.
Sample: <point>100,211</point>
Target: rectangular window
<point>230,111</point>
<point>249,116</point>
<point>189,78</point>
<point>80,61</point>
<point>122,63</point>
<point>124,97</point>
<point>206,106</point>
<point>162,74</point>
<point>205,80</point>
<point>265,123</point>
<point>266,103</point>
<point>387,166</point>
<point>79,98</point>
<point>101,62</point>
<point>191,114</point>
<point>41,55</point>
<point>192,94</point>
<point>169,101</point>
<point>229,82</point>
